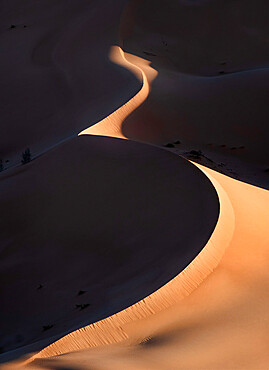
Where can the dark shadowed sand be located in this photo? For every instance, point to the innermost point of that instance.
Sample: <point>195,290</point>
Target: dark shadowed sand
<point>115,219</point>
<point>121,255</point>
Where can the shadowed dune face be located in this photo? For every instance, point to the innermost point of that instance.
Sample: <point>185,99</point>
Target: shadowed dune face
<point>211,91</point>
<point>113,218</point>
<point>98,224</point>
<point>112,124</point>
<point>199,37</point>
<point>56,76</point>
<point>223,324</point>
<point>231,110</point>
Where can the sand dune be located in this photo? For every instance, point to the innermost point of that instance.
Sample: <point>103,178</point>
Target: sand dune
<point>111,330</point>
<point>129,256</point>
<point>211,90</point>
<point>221,325</point>
<point>67,198</point>
<point>56,76</point>
<point>112,125</point>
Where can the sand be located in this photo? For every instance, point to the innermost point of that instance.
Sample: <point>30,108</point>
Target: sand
<point>85,216</point>
<point>56,75</point>
<point>221,325</point>
<point>171,255</point>
<point>211,91</point>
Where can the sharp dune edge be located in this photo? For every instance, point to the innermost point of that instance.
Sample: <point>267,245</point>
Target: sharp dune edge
<point>225,316</point>
<point>109,330</point>
<point>111,125</point>
<point>226,328</point>
<point>116,328</point>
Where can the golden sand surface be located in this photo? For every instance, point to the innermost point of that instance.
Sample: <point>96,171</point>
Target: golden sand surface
<point>221,325</point>
<point>223,322</point>
<point>213,314</point>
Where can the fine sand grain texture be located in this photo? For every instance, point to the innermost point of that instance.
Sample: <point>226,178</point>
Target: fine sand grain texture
<point>56,75</point>
<point>223,324</point>
<point>116,254</point>
<point>211,91</point>
<point>116,219</point>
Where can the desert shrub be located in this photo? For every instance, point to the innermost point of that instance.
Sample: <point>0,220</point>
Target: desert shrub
<point>195,153</point>
<point>1,165</point>
<point>169,145</point>
<point>47,327</point>
<point>81,292</point>
<point>82,306</point>
<point>26,156</point>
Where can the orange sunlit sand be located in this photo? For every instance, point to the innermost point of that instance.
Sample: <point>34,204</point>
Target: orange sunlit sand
<point>117,253</point>
<point>111,125</point>
<point>110,330</point>
<point>233,261</point>
<point>221,312</point>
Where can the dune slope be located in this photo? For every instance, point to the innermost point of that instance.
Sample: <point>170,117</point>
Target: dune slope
<point>112,218</point>
<point>211,91</point>
<point>170,265</point>
<point>56,75</point>
<point>223,324</point>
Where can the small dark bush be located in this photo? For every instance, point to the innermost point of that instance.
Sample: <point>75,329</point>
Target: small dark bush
<point>47,327</point>
<point>1,165</point>
<point>169,145</point>
<point>81,292</point>
<point>195,153</point>
<point>82,306</point>
<point>12,26</point>
<point>26,156</point>
<point>149,53</point>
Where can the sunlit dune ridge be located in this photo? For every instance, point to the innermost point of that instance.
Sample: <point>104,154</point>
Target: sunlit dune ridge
<point>109,330</point>
<point>111,125</point>
<point>223,324</point>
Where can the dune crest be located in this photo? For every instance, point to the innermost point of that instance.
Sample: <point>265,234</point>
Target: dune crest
<point>222,325</point>
<point>117,254</point>
<point>110,330</point>
<point>111,125</point>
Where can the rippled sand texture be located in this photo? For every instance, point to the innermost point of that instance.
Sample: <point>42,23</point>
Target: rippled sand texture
<point>221,325</point>
<point>171,256</point>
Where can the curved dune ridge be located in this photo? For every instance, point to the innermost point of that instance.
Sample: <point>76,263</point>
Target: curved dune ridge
<point>223,324</point>
<point>214,313</point>
<point>230,235</point>
<point>240,225</point>
<point>110,330</point>
<point>111,125</point>
<point>147,200</point>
